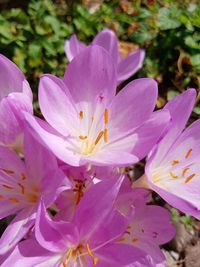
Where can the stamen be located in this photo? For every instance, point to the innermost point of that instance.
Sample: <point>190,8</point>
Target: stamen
<point>21,187</point>
<point>134,240</point>
<point>13,199</point>
<point>8,171</point>
<point>174,162</point>
<point>95,260</point>
<point>89,250</point>
<point>106,116</point>
<point>64,264</point>
<point>105,135</point>
<point>7,186</point>
<point>188,153</point>
<point>1,197</point>
<point>173,175</point>
<point>184,171</point>
<point>82,137</point>
<point>189,178</point>
<point>23,176</point>
<point>81,114</point>
<point>98,137</point>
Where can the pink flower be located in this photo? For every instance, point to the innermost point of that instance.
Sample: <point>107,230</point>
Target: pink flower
<point>88,123</point>
<point>22,184</point>
<point>107,39</point>
<point>90,240</point>
<point>173,168</point>
<point>15,97</point>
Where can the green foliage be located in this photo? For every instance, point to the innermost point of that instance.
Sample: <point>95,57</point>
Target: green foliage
<point>168,30</point>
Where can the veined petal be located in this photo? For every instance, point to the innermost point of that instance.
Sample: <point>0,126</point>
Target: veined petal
<point>37,166</point>
<point>87,85</point>
<point>184,101</point>
<point>108,40</point>
<point>57,105</point>
<point>130,65</point>
<point>30,254</point>
<point>16,230</point>
<point>73,47</point>
<point>94,206</point>
<point>49,139</point>
<point>132,106</point>
<point>54,236</point>
<point>150,133</point>
<point>11,78</point>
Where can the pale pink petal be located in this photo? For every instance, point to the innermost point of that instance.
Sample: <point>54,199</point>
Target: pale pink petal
<point>108,40</point>
<point>73,47</point>
<point>130,65</point>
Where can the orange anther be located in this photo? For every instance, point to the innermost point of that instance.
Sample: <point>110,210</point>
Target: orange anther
<point>1,197</point>
<point>7,186</point>
<point>106,116</point>
<point>184,171</point>
<point>8,171</point>
<point>98,137</point>
<point>188,153</point>
<point>64,264</point>
<point>105,135</point>
<point>189,178</point>
<point>173,175</point>
<point>89,250</point>
<point>134,240</point>
<point>82,137</point>
<point>13,199</point>
<point>21,187</point>
<point>23,176</point>
<point>81,114</point>
<point>174,162</point>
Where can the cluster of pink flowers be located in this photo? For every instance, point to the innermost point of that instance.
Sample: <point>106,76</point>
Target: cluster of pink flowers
<point>61,176</point>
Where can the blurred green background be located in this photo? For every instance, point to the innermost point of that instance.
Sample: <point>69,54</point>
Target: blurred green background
<point>32,34</point>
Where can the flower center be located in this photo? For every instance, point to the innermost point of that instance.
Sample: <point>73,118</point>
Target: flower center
<point>92,138</point>
<point>78,255</point>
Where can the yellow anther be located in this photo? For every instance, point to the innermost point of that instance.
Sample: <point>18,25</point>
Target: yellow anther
<point>188,153</point>
<point>184,171</point>
<point>81,114</point>
<point>89,250</point>
<point>105,135</point>
<point>106,116</point>
<point>173,175</point>
<point>82,137</point>
<point>174,162</point>
<point>98,137</point>
<point>95,260</point>
<point>7,186</point>
<point>13,199</point>
<point>189,178</point>
<point>21,187</point>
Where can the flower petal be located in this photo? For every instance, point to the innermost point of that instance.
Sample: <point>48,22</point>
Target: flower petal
<point>91,76</point>
<point>57,105</point>
<point>108,40</point>
<point>73,47</point>
<point>130,65</point>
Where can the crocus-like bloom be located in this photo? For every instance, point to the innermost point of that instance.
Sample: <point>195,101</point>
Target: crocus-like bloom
<point>88,241</point>
<point>173,168</point>
<point>88,123</point>
<point>149,227</point>
<point>15,97</point>
<point>107,39</point>
<point>22,184</point>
